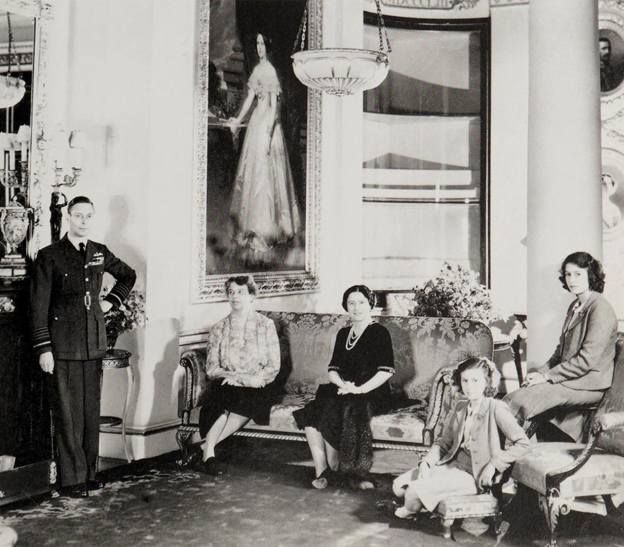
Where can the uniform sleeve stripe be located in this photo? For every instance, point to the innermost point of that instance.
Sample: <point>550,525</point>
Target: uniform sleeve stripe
<point>47,343</point>
<point>116,297</point>
<point>121,291</point>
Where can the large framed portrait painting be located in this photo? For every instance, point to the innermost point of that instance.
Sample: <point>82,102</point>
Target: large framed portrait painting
<point>256,189</point>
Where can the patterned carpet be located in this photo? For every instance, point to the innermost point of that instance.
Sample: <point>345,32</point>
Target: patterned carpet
<point>264,499</point>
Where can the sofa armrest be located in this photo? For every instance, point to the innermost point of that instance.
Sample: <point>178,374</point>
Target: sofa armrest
<point>611,420</point>
<point>194,364</point>
<point>440,387</point>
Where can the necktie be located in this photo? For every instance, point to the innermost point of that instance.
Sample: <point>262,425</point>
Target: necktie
<point>83,250</point>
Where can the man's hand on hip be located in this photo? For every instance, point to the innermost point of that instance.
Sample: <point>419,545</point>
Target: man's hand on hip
<point>46,362</point>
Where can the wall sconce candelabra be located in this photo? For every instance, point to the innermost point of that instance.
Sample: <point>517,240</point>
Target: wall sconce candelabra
<point>14,150</point>
<point>68,155</point>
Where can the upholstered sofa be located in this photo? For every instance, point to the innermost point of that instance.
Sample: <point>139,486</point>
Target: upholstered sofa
<point>424,349</point>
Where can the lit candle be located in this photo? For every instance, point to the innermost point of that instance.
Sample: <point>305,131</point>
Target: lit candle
<point>4,145</point>
<point>11,159</point>
<point>23,137</point>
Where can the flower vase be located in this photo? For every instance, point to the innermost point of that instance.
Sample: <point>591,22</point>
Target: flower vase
<point>111,342</point>
<point>14,223</point>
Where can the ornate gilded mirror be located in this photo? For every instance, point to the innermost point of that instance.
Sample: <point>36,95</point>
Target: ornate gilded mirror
<point>17,44</point>
<point>23,48</point>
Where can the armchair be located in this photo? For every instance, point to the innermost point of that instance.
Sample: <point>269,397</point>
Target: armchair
<point>582,477</point>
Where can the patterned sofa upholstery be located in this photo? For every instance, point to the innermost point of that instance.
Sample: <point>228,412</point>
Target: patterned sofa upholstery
<point>582,477</point>
<point>424,348</point>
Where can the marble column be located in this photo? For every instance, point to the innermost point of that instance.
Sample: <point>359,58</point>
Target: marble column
<point>564,192</point>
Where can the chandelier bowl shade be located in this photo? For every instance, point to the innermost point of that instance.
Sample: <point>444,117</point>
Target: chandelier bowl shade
<point>12,91</point>
<point>341,72</point>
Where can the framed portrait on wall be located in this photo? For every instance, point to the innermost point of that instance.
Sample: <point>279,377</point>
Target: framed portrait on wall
<point>257,149</point>
<point>611,52</point>
<point>611,46</point>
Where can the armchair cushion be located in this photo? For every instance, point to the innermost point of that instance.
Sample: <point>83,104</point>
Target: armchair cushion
<point>602,474</point>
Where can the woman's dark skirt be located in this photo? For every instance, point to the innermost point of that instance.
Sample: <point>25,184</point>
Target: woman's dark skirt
<point>326,413</point>
<point>252,403</point>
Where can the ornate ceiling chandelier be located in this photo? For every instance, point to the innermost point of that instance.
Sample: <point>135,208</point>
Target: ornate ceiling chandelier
<point>12,90</point>
<point>342,71</point>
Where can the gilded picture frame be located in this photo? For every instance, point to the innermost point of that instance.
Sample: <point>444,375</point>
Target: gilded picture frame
<point>229,227</point>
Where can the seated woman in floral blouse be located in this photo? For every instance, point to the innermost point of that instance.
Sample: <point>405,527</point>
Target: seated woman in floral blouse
<point>243,358</point>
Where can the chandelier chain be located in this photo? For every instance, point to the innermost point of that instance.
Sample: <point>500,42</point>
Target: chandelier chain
<point>382,29</point>
<point>381,26</point>
<point>301,33</point>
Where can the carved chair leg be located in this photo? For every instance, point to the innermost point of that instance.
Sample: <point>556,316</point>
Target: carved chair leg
<point>447,523</point>
<point>553,506</point>
<point>498,523</point>
<point>183,437</point>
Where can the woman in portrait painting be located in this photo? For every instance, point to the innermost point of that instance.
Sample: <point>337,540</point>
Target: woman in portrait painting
<point>264,208</point>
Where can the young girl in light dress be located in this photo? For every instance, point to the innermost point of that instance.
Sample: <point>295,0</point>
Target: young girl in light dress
<point>480,441</point>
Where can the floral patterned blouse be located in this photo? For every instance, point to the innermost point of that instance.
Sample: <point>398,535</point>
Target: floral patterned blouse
<point>242,351</point>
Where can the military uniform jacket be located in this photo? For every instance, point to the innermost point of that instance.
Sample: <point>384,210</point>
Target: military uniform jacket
<point>64,299</point>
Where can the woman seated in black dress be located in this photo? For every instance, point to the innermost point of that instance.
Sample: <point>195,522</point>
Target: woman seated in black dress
<point>337,422</point>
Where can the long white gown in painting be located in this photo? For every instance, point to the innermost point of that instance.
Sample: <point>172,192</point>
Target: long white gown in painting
<point>264,206</point>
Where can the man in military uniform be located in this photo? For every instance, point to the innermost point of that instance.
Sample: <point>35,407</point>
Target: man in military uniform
<point>69,336</point>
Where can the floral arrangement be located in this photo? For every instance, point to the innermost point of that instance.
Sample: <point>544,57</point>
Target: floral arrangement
<point>456,292</point>
<point>129,316</point>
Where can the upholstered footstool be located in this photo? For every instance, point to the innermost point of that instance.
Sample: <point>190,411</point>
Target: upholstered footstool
<point>462,507</point>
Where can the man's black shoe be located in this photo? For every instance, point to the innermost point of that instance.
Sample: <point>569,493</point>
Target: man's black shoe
<point>95,485</point>
<point>75,491</point>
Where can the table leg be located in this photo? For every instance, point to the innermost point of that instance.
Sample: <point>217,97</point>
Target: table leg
<point>129,393</point>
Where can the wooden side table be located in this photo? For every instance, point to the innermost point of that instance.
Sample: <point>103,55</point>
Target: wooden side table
<point>118,359</point>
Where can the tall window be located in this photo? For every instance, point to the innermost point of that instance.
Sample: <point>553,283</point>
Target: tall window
<point>425,182</point>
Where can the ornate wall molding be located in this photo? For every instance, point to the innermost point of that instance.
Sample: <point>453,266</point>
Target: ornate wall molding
<point>611,27</point>
<point>432,4</point>
<point>499,3</point>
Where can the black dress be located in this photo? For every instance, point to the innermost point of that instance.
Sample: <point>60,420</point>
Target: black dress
<point>371,354</point>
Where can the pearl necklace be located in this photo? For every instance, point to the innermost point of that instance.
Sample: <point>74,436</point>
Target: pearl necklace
<point>353,338</point>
